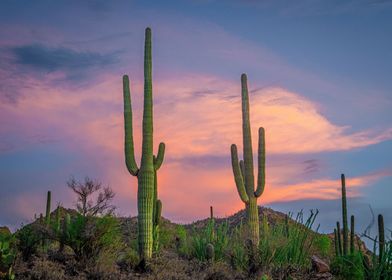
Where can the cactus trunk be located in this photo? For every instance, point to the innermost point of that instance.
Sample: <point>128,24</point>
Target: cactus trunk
<point>344,214</point>
<point>253,220</point>
<point>243,170</point>
<point>339,238</point>
<point>336,242</point>
<point>48,202</point>
<point>352,235</point>
<point>146,175</point>
<point>381,238</point>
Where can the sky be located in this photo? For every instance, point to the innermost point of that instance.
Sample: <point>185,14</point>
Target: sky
<point>319,80</point>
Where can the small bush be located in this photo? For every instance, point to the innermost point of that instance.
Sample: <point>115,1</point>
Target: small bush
<point>322,244</point>
<point>90,238</point>
<point>47,270</point>
<point>7,255</point>
<point>218,237</point>
<point>376,268</point>
<point>181,241</point>
<point>288,244</point>
<point>348,267</point>
<point>239,256</point>
<point>28,240</point>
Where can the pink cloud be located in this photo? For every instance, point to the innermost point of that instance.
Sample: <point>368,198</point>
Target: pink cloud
<point>195,116</point>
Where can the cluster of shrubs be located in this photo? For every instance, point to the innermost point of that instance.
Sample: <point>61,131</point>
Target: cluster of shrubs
<point>285,247</point>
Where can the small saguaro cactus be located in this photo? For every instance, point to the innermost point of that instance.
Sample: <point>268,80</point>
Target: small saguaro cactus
<point>58,219</point>
<point>48,203</point>
<point>352,235</point>
<point>344,214</point>
<point>210,252</point>
<point>381,237</point>
<point>336,242</point>
<point>65,231</point>
<point>146,174</point>
<point>243,170</point>
<point>339,238</point>
<point>211,213</point>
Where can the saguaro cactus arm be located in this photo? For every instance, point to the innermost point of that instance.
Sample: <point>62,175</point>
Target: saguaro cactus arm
<point>129,148</point>
<point>237,174</point>
<point>261,162</point>
<point>242,167</point>
<point>158,212</point>
<point>159,158</point>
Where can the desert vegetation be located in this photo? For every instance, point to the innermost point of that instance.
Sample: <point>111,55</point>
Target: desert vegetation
<point>92,242</point>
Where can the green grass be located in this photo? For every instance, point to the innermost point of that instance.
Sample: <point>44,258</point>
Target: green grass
<point>289,243</point>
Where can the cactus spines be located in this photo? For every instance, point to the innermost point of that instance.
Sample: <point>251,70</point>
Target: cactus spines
<point>381,237</point>
<point>344,214</point>
<point>243,170</point>
<point>352,234</point>
<point>210,252</point>
<point>48,202</point>
<point>339,238</point>
<point>146,174</point>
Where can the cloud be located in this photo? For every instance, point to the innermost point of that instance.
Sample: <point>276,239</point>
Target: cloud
<point>198,130</point>
<point>212,121</point>
<point>50,59</point>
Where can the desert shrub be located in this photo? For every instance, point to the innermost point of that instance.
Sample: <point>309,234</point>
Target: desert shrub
<point>217,236</point>
<point>238,256</point>
<point>91,238</point>
<point>376,268</point>
<point>348,267</point>
<point>220,241</point>
<point>129,258</point>
<point>322,244</point>
<point>7,255</point>
<point>93,199</point>
<point>181,241</point>
<point>166,236</point>
<point>28,240</point>
<point>198,247</point>
<point>287,244</point>
<point>47,270</point>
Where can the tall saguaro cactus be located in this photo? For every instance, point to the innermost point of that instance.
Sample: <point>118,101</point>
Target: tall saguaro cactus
<point>146,174</point>
<point>344,214</point>
<point>243,170</point>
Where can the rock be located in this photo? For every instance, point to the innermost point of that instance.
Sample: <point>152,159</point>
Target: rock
<point>319,265</point>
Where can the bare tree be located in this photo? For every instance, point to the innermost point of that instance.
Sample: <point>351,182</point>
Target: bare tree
<point>86,192</point>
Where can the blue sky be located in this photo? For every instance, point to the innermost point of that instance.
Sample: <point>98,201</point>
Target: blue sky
<point>319,74</point>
